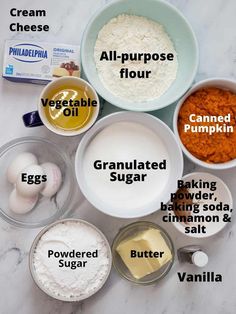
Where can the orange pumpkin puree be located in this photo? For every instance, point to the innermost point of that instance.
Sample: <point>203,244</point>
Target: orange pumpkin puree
<point>217,147</point>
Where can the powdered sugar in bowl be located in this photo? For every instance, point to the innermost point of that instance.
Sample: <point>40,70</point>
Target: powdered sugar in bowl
<point>168,22</point>
<point>70,260</point>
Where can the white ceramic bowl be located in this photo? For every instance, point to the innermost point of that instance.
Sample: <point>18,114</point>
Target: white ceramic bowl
<point>222,83</point>
<point>35,276</point>
<point>171,145</point>
<point>68,82</point>
<point>223,195</point>
<point>180,32</point>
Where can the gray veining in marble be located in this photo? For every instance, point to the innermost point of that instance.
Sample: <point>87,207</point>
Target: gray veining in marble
<point>214,23</point>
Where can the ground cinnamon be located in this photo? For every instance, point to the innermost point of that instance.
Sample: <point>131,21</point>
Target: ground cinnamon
<point>182,203</point>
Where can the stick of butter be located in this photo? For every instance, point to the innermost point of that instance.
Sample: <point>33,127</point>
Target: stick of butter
<point>144,253</point>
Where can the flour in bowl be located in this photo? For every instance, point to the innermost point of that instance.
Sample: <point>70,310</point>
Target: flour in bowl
<point>127,166</point>
<point>71,260</point>
<point>135,58</point>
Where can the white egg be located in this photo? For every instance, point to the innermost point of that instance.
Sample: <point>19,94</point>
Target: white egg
<point>18,164</point>
<point>20,204</point>
<point>30,181</point>
<point>54,179</point>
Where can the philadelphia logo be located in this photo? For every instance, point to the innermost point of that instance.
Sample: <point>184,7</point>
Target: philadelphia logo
<point>28,53</point>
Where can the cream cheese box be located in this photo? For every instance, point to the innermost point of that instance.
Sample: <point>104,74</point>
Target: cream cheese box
<point>39,62</point>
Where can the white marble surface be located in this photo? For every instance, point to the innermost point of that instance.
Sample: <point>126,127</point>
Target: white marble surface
<point>214,23</point>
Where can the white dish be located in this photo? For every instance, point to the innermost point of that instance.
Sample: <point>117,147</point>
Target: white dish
<point>174,154</point>
<point>180,32</point>
<point>223,195</point>
<point>34,273</point>
<point>222,83</point>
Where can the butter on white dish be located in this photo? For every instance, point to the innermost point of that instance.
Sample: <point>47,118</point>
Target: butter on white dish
<point>146,243</point>
<point>54,179</point>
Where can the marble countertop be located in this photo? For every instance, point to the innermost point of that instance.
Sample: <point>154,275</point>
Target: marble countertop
<point>214,23</point>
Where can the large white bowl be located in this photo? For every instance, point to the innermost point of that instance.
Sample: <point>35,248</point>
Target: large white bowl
<point>222,83</point>
<point>177,27</point>
<point>173,149</point>
<point>34,275</point>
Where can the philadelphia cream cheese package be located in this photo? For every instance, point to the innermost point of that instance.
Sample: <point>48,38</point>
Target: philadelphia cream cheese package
<point>38,62</point>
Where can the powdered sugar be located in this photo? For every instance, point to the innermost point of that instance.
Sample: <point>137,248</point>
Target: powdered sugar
<point>64,281</point>
<point>135,34</point>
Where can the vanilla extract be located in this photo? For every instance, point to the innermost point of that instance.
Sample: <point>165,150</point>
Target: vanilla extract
<point>192,254</point>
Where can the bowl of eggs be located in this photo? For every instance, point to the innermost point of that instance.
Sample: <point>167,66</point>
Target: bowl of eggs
<point>36,182</point>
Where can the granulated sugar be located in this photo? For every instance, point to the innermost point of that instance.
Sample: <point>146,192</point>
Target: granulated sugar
<point>133,144</point>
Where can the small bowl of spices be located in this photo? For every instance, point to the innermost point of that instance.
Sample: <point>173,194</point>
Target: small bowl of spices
<point>202,206</point>
<point>205,123</point>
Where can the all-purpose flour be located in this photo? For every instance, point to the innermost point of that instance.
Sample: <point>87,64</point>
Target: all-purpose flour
<point>68,282</point>
<point>135,34</point>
